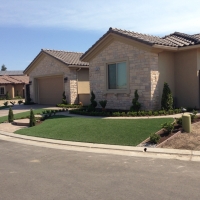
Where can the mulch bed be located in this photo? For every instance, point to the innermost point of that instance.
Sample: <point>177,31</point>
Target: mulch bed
<point>165,136</point>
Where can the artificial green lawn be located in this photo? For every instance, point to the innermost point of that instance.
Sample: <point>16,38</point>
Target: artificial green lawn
<point>20,115</point>
<point>95,130</point>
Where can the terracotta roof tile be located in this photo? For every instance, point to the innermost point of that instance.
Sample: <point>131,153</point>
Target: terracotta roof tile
<point>69,58</point>
<point>14,79</point>
<point>175,39</point>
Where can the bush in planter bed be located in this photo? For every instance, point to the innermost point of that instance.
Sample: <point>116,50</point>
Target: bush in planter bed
<point>154,138</point>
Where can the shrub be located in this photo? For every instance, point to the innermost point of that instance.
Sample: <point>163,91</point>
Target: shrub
<point>20,102</point>
<point>179,121</point>
<point>116,114</point>
<point>32,121</point>
<point>154,138</point>
<point>133,114</point>
<point>64,101</point>
<point>103,103</point>
<point>167,99</point>
<point>193,115</point>
<point>93,104</point>
<point>136,105</point>
<point>155,113</point>
<point>169,127</point>
<point>149,112</point>
<point>69,105</point>
<point>10,115</point>
<point>12,102</point>
<point>5,103</point>
<point>7,96</point>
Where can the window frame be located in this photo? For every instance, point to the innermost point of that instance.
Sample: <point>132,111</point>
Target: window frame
<point>4,90</point>
<point>116,91</point>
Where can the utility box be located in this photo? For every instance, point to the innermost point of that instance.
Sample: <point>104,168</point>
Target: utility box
<point>186,122</point>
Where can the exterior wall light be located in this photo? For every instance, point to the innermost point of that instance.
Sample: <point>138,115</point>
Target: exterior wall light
<point>65,79</point>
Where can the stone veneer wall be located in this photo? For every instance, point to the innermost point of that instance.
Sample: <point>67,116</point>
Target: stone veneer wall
<point>50,66</point>
<point>143,75</point>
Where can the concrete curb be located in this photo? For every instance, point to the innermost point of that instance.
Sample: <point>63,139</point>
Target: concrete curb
<point>187,155</point>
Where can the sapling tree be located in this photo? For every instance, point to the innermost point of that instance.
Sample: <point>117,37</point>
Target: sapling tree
<point>32,119</point>
<point>93,104</point>
<point>167,99</point>
<point>136,105</point>
<point>64,101</point>
<point>10,115</point>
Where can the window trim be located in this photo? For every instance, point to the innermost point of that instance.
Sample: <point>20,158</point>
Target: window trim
<point>117,91</point>
<point>4,90</point>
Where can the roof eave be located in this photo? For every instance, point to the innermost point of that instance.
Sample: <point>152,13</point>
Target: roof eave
<point>162,47</point>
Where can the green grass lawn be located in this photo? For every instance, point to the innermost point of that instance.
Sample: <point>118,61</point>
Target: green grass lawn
<point>3,107</point>
<point>20,115</point>
<point>103,131</point>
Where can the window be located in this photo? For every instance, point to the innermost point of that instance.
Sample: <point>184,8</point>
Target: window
<point>117,75</point>
<point>2,90</point>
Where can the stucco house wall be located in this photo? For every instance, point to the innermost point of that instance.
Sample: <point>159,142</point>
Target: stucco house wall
<point>187,78</point>
<point>166,68</point>
<point>143,75</point>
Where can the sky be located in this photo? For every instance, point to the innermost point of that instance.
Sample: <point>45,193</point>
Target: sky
<point>27,26</point>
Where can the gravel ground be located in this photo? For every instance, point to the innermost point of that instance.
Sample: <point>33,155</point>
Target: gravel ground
<point>190,141</point>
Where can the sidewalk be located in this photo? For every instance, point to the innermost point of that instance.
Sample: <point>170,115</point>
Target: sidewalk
<point>186,155</point>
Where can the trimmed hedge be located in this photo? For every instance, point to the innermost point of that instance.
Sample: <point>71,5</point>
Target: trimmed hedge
<point>69,105</point>
<point>125,114</point>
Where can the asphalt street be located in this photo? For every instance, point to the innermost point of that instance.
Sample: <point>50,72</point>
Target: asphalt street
<point>31,172</point>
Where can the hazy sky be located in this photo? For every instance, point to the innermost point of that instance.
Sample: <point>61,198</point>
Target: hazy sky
<point>27,26</point>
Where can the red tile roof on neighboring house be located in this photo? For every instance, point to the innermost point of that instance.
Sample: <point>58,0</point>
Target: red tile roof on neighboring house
<point>14,80</point>
<point>175,39</point>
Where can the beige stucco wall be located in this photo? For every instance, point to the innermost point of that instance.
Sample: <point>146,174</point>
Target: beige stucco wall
<point>19,88</point>
<point>166,63</point>
<point>49,66</point>
<point>187,78</point>
<point>83,81</point>
<point>143,75</point>
<point>12,90</point>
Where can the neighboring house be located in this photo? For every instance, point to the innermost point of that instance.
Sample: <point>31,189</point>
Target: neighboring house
<point>53,72</point>
<point>12,82</point>
<point>122,61</point>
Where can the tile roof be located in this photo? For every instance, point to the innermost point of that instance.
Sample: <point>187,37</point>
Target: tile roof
<point>69,58</point>
<point>14,79</point>
<point>12,73</point>
<point>175,39</point>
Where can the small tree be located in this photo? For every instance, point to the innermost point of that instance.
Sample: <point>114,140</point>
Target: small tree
<point>10,115</point>
<point>167,99</point>
<point>32,119</point>
<point>3,68</point>
<point>7,96</point>
<point>136,105</point>
<point>64,101</point>
<point>103,104</point>
<point>93,104</point>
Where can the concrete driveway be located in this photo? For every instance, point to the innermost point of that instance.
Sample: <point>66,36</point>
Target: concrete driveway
<point>24,108</point>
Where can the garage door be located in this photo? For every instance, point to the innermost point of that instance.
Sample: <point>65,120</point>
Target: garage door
<point>50,90</point>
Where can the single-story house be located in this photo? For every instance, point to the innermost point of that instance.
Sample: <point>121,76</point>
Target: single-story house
<point>122,61</point>
<point>53,72</point>
<point>13,82</point>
